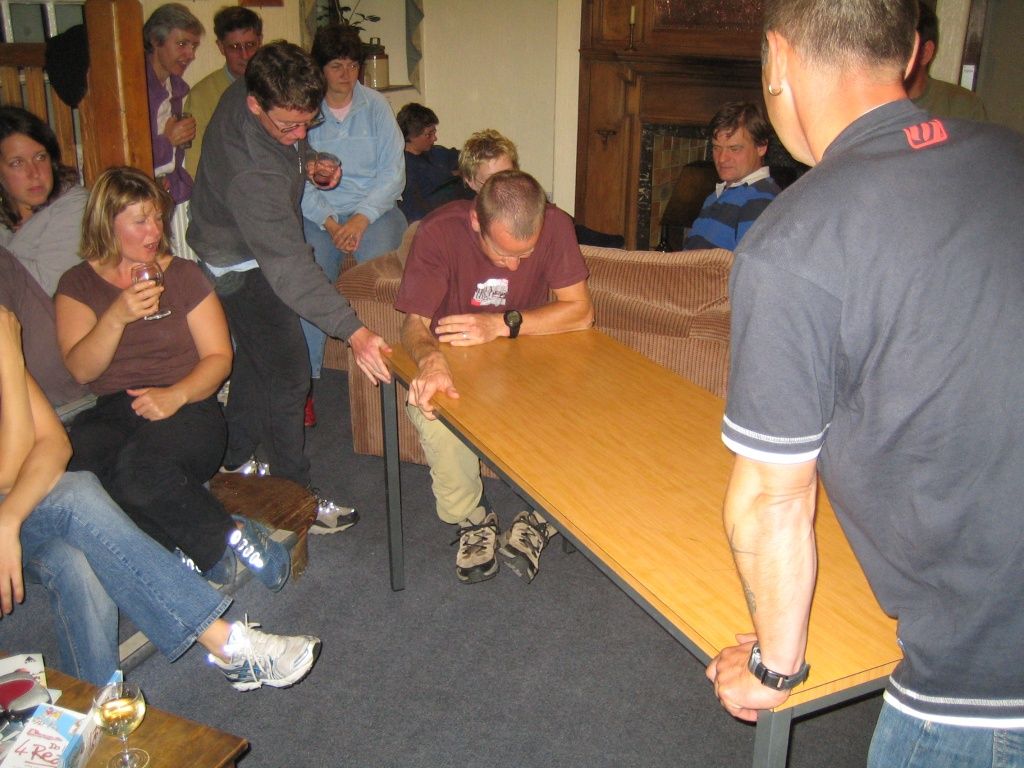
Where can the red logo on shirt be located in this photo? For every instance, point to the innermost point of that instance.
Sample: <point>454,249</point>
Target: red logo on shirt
<point>926,134</point>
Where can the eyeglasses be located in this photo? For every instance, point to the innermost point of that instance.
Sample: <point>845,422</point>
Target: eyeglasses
<point>251,45</point>
<point>292,127</point>
<point>349,66</point>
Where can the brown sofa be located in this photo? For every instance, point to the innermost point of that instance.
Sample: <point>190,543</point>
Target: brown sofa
<point>671,307</point>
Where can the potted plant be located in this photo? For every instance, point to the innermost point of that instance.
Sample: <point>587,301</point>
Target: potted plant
<point>346,16</point>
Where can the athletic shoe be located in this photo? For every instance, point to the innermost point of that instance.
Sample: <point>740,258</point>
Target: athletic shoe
<point>331,517</point>
<point>524,542</point>
<point>267,559</point>
<point>220,575</point>
<point>259,658</point>
<point>251,467</point>
<point>475,560</point>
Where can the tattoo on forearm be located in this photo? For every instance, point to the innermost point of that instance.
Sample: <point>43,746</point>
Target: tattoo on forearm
<point>748,593</point>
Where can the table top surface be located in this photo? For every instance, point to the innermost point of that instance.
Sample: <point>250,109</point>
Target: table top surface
<point>170,740</point>
<point>606,441</point>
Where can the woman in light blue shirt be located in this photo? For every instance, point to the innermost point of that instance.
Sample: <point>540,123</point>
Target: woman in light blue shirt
<point>360,215</point>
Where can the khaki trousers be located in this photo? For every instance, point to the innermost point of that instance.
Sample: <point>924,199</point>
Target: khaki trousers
<point>454,471</point>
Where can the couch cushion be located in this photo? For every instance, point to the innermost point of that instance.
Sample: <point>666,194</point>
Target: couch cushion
<point>671,307</point>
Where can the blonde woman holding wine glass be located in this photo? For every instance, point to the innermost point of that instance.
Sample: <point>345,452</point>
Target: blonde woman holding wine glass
<point>156,434</point>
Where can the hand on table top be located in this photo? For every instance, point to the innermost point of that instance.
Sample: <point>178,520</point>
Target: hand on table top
<point>468,330</point>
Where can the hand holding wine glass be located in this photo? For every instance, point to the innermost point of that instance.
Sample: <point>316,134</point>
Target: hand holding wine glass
<point>143,271</point>
<point>323,169</point>
<point>119,709</point>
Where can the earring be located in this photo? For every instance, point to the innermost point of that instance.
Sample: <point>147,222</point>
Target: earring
<point>772,92</point>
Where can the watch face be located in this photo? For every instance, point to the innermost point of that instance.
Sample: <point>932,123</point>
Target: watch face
<point>512,318</point>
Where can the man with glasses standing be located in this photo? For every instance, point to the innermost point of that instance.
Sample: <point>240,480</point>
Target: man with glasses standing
<point>247,228</point>
<point>239,33</point>
<point>479,270</point>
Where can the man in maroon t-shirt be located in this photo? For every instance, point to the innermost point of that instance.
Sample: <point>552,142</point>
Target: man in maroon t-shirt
<point>478,270</point>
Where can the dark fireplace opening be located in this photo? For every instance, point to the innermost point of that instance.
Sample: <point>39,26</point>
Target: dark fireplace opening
<point>664,151</point>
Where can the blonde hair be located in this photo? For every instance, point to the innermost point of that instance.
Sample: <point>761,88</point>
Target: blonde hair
<point>482,146</point>
<point>115,190</point>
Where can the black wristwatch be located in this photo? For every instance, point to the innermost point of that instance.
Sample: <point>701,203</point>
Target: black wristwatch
<point>513,319</point>
<point>774,679</point>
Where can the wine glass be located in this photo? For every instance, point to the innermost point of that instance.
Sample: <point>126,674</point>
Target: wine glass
<point>146,270</point>
<point>321,167</point>
<point>119,709</point>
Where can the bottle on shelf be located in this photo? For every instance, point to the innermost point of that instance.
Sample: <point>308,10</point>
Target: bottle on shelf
<point>375,65</point>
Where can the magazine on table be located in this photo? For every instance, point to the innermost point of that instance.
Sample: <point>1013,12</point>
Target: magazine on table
<point>50,736</point>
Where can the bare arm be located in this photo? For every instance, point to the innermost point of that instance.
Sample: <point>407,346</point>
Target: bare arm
<point>39,468</point>
<point>434,375</point>
<point>572,310</point>
<point>16,431</point>
<point>87,342</point>
<point>769,520</point>
<point>209,330</point>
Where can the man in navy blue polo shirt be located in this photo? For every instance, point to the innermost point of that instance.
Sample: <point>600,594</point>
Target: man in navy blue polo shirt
<point>877,336</point>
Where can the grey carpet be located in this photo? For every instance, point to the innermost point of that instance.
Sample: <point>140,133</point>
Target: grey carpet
<point>566,671</point>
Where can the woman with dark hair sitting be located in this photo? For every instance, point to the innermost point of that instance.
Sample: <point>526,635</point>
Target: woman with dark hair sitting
<point>156,434</point>
<point>41,202</point>
<point>360,215</point>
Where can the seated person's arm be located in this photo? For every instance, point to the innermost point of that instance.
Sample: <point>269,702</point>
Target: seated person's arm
<point>572,310</point>
<point>16,431</point>
<point>434,375</point>
<point>209,330</point>
<point>88,343</point>
<point>28,475</point>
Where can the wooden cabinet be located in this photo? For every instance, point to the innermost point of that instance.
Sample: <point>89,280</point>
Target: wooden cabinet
<point>678,72</point>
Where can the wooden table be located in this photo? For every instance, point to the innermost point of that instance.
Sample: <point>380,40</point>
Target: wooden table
<point>624,457</point>
<point>170,740</point>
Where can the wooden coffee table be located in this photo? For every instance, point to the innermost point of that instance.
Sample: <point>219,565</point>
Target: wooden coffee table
<point>170,740</point>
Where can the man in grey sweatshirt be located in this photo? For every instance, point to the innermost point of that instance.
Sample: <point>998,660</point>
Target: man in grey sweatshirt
<point>247,229</point>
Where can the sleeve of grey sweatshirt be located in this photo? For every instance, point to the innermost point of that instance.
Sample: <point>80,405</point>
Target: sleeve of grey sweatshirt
<point>269,223</point>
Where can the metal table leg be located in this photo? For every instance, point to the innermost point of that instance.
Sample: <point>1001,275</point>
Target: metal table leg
<point>771,740</point>
<point>393,483</point>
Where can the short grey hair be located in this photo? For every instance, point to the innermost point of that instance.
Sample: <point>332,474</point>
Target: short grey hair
<point>165,20</point>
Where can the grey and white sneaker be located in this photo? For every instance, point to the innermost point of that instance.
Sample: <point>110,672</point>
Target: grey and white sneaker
<point>475,561</point>
<point>259,658</point>
<point>250,468</point>
<point>525,540</point>
<point>331,517</point>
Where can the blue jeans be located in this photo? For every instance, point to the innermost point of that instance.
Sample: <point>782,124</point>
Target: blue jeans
<point>385,234</point>
<point>903,741</point>
<point>78,542</point>
<point>84,616</point>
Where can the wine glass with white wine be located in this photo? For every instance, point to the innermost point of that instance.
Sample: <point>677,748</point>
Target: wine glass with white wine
<point>150,270</point>
<point>119,709</point>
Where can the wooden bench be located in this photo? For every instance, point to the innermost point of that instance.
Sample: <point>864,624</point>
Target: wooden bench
<point>274,501</point>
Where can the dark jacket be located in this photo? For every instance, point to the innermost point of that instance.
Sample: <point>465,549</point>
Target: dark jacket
<point>245,206</point>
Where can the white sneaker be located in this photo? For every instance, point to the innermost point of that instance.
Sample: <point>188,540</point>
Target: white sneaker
<point>251,467</point>
<point>331,517</point>
<point>259,658</point>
